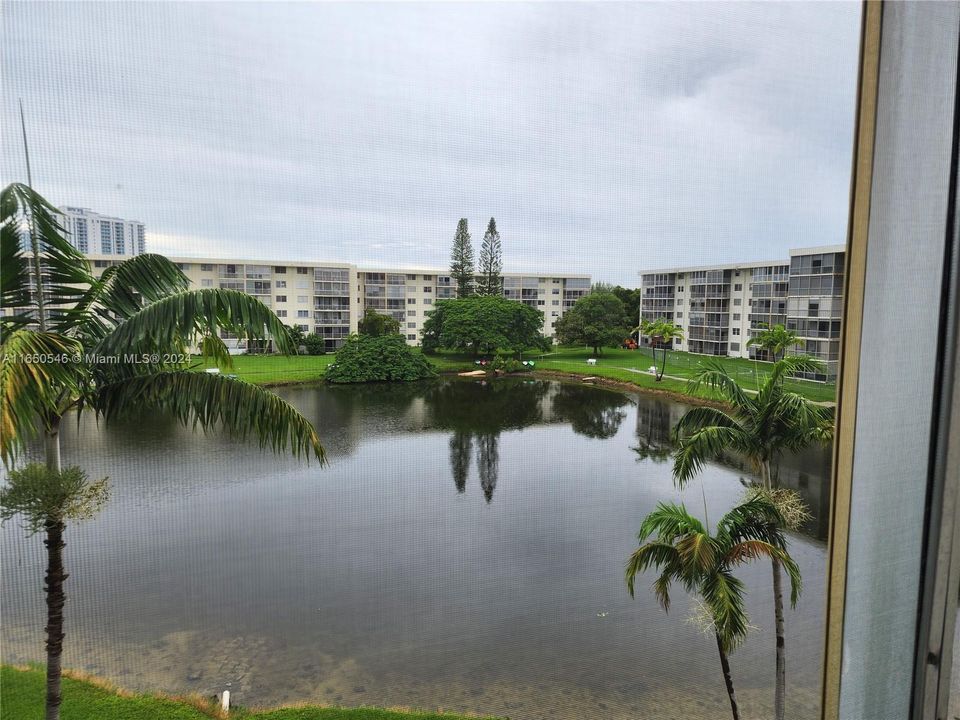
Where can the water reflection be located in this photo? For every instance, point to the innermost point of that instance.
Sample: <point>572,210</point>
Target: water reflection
<point>655,422</point>
<point>479,411</point>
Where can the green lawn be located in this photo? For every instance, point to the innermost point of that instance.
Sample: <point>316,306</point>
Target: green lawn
<point>622,365</point>
<point>22,697</point>
<point>268,369</point>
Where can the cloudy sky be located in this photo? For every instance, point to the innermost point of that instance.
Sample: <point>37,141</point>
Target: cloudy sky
<point>604,137</point>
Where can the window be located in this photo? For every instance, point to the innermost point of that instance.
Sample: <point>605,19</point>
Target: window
<point>736,316</point>
<point>738,286</point>
<point>541,302</point>
<point>305,328</point>
<point>281,313</point>
<point>679,315</point>
<point>411,325</point>
<point>735,331</point>
<point>303,313</point>
<point>303,284</point>
<point>303,271</point>
<point>411,301</point>
<point>281,283</point>
<point>279,270</point>
<point>737,301</point>
<point>411,277</point>
<point>554,313</point>
<point>427,289</point>
<point>555,291</point>
<point>411,336</point>
<point>734,347</point>
<point>97,264</point>
<point>813,310</point>
<point>281,298</point>
<point>206,267</point>
<point>679,301</point>
<point>427,301</point>
<point>302,299</point>
<point>680,289</point>
<point>206,282</point>
<point>411,313</point>
<point>554,302</point>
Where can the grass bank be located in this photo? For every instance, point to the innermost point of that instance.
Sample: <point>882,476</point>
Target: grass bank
<point>88,698</point>
<point>622,366</point>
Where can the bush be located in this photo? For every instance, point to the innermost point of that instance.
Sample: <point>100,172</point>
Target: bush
<point>315,344</point>
<point>387,358</point>
<point>508,364</point>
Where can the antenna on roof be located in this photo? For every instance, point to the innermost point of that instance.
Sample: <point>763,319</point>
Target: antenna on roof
<point>26,150</point>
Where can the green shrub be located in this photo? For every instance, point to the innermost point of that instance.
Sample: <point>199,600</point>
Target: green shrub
<point>315,344</point>
<point>508,364</point>
<point>386,358</point>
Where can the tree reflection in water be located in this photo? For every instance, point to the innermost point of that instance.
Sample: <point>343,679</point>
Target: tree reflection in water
<point>477,412</point>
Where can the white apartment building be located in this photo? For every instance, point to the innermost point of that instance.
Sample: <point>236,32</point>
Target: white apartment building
<point>96,234</point>
<point>719,307</point>
<point>330,298</point>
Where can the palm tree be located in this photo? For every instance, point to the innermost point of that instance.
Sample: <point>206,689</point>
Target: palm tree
<point>684,551</point>
<point>47,500</point>
<point>774,340</point>
<point>759,428</point>
<point>661,332</point>
<point>120,343</point>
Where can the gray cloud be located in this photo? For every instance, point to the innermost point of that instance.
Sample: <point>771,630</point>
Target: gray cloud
<point>604,137</point>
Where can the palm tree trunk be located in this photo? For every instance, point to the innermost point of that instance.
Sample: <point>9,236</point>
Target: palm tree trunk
<point>55,601</point>
<point>663,364</point>
<point>780,693</point>
<point>51,445</point>
<point>727,678</point>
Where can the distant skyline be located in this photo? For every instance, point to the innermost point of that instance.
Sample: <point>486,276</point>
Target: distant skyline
<point>605,138</point>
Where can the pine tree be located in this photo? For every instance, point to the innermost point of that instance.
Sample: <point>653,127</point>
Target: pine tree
<point>491,263</point>
<point>461,261</point>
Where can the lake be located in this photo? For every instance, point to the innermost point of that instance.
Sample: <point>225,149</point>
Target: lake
<point>463,550</point>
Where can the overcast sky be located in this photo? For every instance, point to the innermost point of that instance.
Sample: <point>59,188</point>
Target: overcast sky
<point>604,138</point>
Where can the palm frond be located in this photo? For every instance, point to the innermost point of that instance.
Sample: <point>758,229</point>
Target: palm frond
<point>714,376</point>
<point>35,368</point>
<point>723,595</point>
<point>122,290</point>
<point>706,444</point>
<point>669,521</point>
<point>207,400</point>
<point>64,269</point>
<point>794,364</point>
<point>653,554</point>
<point>175,321</point>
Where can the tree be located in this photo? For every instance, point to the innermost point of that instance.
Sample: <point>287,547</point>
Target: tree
<point>119,344</point>
<point>383,358</point>
<point>375,324</point>
<point>297,337</point>
<point>662,334</point>
<point>491,263</point>
<point>315,344</point>
<point>461,260</point>
<point>684,551</point>
<point>597,320</point>
<point>482,325</point>
<point>759,428</point>
<point>775,341</point>
<point>47,500</point>
<point>631,301</point>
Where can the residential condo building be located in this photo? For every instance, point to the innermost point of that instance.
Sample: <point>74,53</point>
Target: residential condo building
<point>720,307</point>
<point>91,232</point>
<point>330,298</point>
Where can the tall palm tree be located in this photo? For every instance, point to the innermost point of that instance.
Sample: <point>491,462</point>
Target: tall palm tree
<point>661,332</point>
<point>684,551</point>
<point>47,500</point>
<point>759,428</point>
<point>774,340</point>
<point>119,343</point>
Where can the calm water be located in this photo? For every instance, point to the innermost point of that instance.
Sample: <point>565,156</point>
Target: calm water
<point>464,550</point>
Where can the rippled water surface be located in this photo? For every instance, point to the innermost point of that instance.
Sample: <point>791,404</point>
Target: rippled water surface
<point>463,550</point>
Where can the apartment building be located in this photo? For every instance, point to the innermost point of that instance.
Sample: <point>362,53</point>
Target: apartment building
<point>91,232</point>
<point>330,298</point>
<point>721,306</point>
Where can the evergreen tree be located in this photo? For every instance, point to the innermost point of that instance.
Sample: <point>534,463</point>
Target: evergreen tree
<point>462,268</point>
<point>491,263</point>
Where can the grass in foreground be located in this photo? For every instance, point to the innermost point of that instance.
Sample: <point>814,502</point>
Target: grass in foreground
<point>22,697</point>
